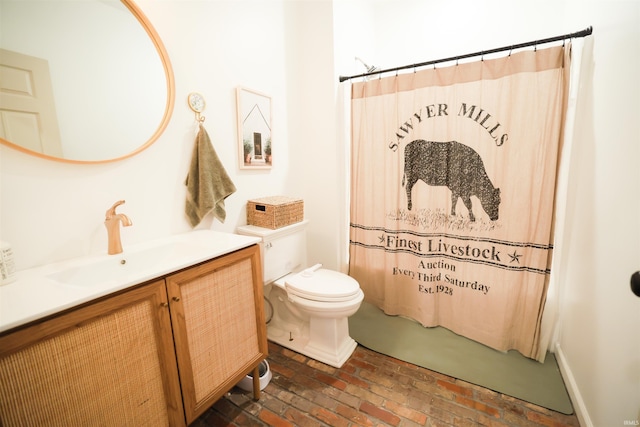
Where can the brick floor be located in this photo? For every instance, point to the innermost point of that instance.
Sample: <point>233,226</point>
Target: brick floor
<point>371,389</point>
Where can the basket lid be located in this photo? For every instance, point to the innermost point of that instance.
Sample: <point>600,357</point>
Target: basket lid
<point>275,200</point>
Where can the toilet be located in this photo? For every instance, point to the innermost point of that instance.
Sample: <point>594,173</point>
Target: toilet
<point>306,308</point>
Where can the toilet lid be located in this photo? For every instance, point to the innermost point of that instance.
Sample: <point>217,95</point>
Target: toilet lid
<point>323,285</point>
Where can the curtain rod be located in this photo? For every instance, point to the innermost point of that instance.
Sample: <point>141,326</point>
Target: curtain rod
<point>586,32</point>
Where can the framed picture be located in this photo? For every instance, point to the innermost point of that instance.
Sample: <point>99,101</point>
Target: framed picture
<point>254,129</point>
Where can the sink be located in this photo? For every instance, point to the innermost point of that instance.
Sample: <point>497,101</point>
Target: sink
<point>125,267</point>
<point>51,288</point>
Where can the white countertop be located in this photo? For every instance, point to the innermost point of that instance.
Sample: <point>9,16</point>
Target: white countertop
<point>41,291</point>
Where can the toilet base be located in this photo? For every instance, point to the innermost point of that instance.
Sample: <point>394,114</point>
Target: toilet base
<point>328,340</point>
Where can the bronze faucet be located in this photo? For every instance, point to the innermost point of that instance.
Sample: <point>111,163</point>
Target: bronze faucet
<point>112,222</point>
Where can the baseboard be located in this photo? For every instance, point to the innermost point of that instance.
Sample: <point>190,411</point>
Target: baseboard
<point>572,388</point>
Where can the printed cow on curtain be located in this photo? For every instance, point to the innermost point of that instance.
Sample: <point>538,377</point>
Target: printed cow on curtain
<point>453,165</point>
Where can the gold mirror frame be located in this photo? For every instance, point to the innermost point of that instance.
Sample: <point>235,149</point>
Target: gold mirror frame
<point>168,110</point>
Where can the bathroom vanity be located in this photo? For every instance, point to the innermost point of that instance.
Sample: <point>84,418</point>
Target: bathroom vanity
<point>134,350</point>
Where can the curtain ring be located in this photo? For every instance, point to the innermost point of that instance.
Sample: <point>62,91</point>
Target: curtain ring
<point>457,58</point>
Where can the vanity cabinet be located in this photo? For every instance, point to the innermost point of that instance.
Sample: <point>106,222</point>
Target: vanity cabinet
<point>157,354</point>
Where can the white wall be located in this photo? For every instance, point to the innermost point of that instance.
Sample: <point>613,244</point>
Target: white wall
<point>599,340</point>
<point>312,124</point>
<point>51,211</point>
<point>294,51</point>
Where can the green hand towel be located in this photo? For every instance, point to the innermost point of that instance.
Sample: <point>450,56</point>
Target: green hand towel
<point>207,182</point>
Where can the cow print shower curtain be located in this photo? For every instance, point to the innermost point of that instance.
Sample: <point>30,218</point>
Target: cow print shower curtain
<point>453,174</point>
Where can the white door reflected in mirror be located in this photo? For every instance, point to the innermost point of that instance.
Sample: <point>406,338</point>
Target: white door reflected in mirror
<point>27,107</point>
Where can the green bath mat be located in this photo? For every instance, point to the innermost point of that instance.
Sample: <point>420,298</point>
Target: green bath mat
<point>440,350</point>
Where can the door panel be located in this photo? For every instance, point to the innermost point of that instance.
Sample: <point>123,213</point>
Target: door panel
<point>27,106</point>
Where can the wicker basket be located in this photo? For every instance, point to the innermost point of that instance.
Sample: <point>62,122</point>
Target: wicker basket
<point>274,212</point>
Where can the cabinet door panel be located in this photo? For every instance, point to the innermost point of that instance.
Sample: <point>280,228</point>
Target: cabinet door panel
<point>108,363</point>
<point>218,322</point>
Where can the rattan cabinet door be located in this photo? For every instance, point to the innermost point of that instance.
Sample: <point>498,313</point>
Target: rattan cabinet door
<point>218,325</point>
<point>107,363</point>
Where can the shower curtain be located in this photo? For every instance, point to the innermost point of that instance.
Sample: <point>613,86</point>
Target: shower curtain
<point>453,177</point>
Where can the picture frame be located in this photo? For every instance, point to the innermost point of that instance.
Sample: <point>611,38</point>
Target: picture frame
<point>254,129</point>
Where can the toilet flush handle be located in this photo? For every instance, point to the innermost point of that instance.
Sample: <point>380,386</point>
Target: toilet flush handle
<point>309,271</point>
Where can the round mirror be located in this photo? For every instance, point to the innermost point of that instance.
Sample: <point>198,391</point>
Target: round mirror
<point>84,81</point>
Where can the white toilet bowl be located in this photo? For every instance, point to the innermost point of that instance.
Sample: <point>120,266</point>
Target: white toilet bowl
<point>310,308</point>
<point>311,314</point>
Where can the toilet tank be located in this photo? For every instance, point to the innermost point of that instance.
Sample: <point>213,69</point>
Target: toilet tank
<point>284,250</point>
